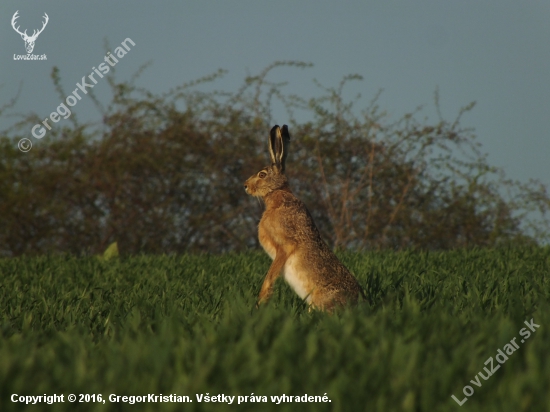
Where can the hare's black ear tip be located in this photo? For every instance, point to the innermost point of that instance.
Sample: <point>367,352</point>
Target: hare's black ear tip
<point>274,128</point>
<point>285,131</point>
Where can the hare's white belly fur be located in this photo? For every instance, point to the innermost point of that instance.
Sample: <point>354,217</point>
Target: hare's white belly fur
<point>291,269</point>
<point>293,278</point>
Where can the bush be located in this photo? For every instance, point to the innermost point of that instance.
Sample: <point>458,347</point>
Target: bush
<point>164,174</point>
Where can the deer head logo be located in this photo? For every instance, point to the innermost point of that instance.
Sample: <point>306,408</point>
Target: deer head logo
<point>29,40</point>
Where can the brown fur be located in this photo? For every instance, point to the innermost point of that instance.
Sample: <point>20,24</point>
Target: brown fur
<point>289,236</point>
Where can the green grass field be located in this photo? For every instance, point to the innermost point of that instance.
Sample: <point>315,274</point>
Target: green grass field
<point>186,326</point>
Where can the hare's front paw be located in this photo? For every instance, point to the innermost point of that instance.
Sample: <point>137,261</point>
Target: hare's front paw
<point>263,297</point>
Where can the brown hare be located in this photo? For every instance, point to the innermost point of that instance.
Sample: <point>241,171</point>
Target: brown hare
<point>289,236</point>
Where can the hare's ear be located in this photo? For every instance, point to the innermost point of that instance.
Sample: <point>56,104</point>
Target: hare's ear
<point>285,143</point>
<point>273,144</point>
<point>278,146</point>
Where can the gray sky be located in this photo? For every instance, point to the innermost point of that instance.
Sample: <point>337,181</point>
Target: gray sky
<point>470,49</point>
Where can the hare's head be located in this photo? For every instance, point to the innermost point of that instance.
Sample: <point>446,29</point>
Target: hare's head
<point>271,177</point>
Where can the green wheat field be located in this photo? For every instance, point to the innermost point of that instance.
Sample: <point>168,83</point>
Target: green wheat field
<point>186,326</point>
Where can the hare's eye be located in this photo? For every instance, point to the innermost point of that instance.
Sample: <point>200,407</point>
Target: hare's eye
<point>261,175</point>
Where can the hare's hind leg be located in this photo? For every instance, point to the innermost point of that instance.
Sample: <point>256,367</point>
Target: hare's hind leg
<point>328,300</point>
<point>316,300</point>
